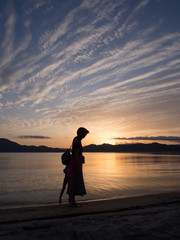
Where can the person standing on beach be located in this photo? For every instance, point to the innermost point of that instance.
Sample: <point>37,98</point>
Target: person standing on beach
<point>75,174</point>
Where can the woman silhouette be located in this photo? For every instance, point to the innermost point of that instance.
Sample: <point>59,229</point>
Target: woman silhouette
<point>75,174</point>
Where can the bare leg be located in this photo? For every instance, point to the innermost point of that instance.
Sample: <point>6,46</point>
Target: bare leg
<point>62,191</point>
<point>72,200</point>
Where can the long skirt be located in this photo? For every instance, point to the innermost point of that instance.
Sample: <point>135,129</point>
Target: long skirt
<point>76,185</point>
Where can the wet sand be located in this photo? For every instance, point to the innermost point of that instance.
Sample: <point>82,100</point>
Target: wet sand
<point>153,216</point>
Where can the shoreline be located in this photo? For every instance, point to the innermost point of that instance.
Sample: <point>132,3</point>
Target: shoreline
<point>54,211</point>
<point>149,152</point>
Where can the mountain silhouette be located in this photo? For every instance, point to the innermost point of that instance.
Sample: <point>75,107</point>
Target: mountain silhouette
<point>134,147</point>
<point>10,146</point>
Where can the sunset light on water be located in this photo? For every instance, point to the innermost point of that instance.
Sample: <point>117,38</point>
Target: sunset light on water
<point>36,178</point>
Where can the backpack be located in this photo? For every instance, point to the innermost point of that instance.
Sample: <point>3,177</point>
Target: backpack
<point>66,157</point>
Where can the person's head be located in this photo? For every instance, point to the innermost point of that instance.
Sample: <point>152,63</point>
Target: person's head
<point>82,132</point>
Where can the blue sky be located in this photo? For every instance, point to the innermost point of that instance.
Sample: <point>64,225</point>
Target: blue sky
<point>110,66</point>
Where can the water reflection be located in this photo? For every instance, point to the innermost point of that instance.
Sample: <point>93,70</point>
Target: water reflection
<point>34,178</point>
<point>127,173</point>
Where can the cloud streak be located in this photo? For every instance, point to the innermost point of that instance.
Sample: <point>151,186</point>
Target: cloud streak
<point>158,138</point>
<point>34,137</point>
<point>85,61</point>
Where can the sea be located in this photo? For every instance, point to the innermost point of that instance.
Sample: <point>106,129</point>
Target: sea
<point>30,179</point>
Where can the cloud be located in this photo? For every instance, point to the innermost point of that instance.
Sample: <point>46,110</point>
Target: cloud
<point>95,60</point>
<point>31,6</point>
<point>127,23</point>
<point>87,40</point>
<point>6,47</point>
<point>35,137</point>
<point>10,27</point>
<point>158,138</point>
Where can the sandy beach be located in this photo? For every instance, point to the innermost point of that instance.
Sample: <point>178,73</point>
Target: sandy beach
<point>153,216</point>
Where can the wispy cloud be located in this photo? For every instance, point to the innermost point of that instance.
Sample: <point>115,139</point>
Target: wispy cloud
<point>158,138</point>
<point>35,137</point>
<point>87,61</point>
<point>10,28</point>
<point>7,44</point>
<point>128,25</point>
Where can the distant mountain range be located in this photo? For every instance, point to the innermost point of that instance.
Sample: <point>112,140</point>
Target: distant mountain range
<point>9,146</point>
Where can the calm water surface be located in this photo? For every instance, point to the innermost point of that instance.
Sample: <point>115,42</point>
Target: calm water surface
<point>36,178</point>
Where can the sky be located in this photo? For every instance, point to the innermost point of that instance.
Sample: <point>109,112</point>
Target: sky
<point>111,66</point>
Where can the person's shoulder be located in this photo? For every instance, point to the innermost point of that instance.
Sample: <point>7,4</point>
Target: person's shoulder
<point>76,139</point>
<point>76,142</point>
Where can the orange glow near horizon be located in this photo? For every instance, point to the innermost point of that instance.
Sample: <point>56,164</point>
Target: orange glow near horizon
<point>66,142</point>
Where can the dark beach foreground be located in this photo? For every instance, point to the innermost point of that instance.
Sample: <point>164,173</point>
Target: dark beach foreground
<point>153,216</point>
